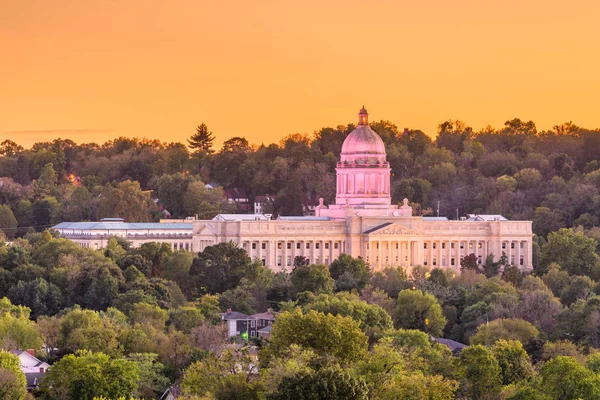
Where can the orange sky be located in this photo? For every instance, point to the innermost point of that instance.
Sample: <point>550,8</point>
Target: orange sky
<point>93,70</point>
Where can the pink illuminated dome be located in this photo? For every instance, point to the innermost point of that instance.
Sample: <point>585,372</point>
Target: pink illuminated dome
<point>363,146</point>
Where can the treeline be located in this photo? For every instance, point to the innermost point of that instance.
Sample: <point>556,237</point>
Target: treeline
<point>125,321</point>
<point>550,177</point>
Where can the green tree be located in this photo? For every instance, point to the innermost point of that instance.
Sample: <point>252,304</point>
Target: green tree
<point>370,316</point>
<point>126,200</point>
<point>513,361</point>
<point>41,297</point>
<point>8,222</point>
<point>202,140</point>
<point>481,373</point>
<point>12,380</point>
<point>418,310</point>
<point>86,375</point>
<point>349,273</point>
<point>153,381</point>
<point>327,335</point>
<point>221,267</point>
<point>564,378</point>
<point>185,318</point>
<point>313,278</point>
<point>508,329</point>
<point>573,251</point>
<point>333,383</point>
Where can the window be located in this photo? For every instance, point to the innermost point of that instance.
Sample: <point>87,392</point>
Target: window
<point>396,245</point>
<point>377,245</point>
<point>396,259</point>
<point>252,334</point>
<point>335,245</point>
<point>462,245</point>
<point>479,245</point>
<point>512,259</point>
<point>289,245</point>
<point>479,260</point>
<point>443,245</point>
<point>253,324</point>
<point>452,261</point>
<point>512,245</point>
<point>434,245</point>
<point>451,245</point>
<point>298,246</point>
<point>263,261</point>
<point>317,245</point>
<point>279,245</point>
<point>522,261</point>
<point>327,261</point>
<point>263,246</point>
<point>425,261</point>
<point>289,260</point>
<point>253,246</point>
<point>279,261</point>
<point>503,245</point>
<point>308,245</point>
<point>470,245</point>
<point>326,245</point>
<point>434,261</point>
<point>521,244</point>
<point>317,260</point>
<point>367,246</point>
<point>424,245</point>
<point>443,261</point>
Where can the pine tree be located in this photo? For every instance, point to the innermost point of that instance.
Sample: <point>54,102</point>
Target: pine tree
<point>202,140</point>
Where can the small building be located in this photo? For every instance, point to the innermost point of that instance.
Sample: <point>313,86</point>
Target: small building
<point>33,368</point>
<point>263,204</point>
<point>239,324</point>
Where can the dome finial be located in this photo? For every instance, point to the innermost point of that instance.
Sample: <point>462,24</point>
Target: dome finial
<point>363,116</point>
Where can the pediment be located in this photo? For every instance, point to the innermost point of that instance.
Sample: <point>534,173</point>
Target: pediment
<point>391,229</point>
<point>204,229</point>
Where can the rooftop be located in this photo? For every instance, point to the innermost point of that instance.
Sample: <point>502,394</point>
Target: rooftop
<point>123,226</point>
<point>241,217</point>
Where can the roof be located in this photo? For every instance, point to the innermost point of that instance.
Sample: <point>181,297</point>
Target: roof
<point>435,219</point>
<point>241,217</point>
<point>305,218</point>
<point>266,329</point>
<point>486,217</point>
<point>378,227</point>
<point>235,315</point>
<point>122,226</point>
<point>266,315</point>
<point>454,346</point>
<point>33,379</point>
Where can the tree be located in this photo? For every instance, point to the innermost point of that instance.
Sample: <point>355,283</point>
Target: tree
<point>185,318</point>
<point>391,280</point>
<point>480,371</point>
<point>12,380</point>
<point>370,316</point>
<point>332,383</point>
<point>202,140</point>
<point>313,278</point>
<point>508,329</point>
<point>8,222</point>
<point>564,378</point>
<point>418,310</point>
<point>17,331</point>
<point>221,267</point>
<point>469,262</point>
<point>86,375</point>
<point>513,361</point>
<point>327,335</point>
<point>126,200</point>
<point>41,297</point>
<point>230,374</point>
<point>349,273</point>
<point>573,251</point>
<point>153,381</point>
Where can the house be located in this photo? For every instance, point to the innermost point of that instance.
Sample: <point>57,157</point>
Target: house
<point>239,324</point>
<point>171,393</point>
<point>33,368</point>
<point>264,319</point>
<point>263,204</point>
<point>239,197</point>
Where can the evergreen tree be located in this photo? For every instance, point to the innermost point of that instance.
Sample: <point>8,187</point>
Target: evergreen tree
<point>202,140</point>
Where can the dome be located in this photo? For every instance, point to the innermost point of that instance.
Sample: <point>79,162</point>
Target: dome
<point>363,145</point>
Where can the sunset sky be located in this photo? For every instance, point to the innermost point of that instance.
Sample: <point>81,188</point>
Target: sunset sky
<point>94,70</point>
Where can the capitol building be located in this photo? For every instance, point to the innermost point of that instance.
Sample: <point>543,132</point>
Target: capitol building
<point>362,222</point>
